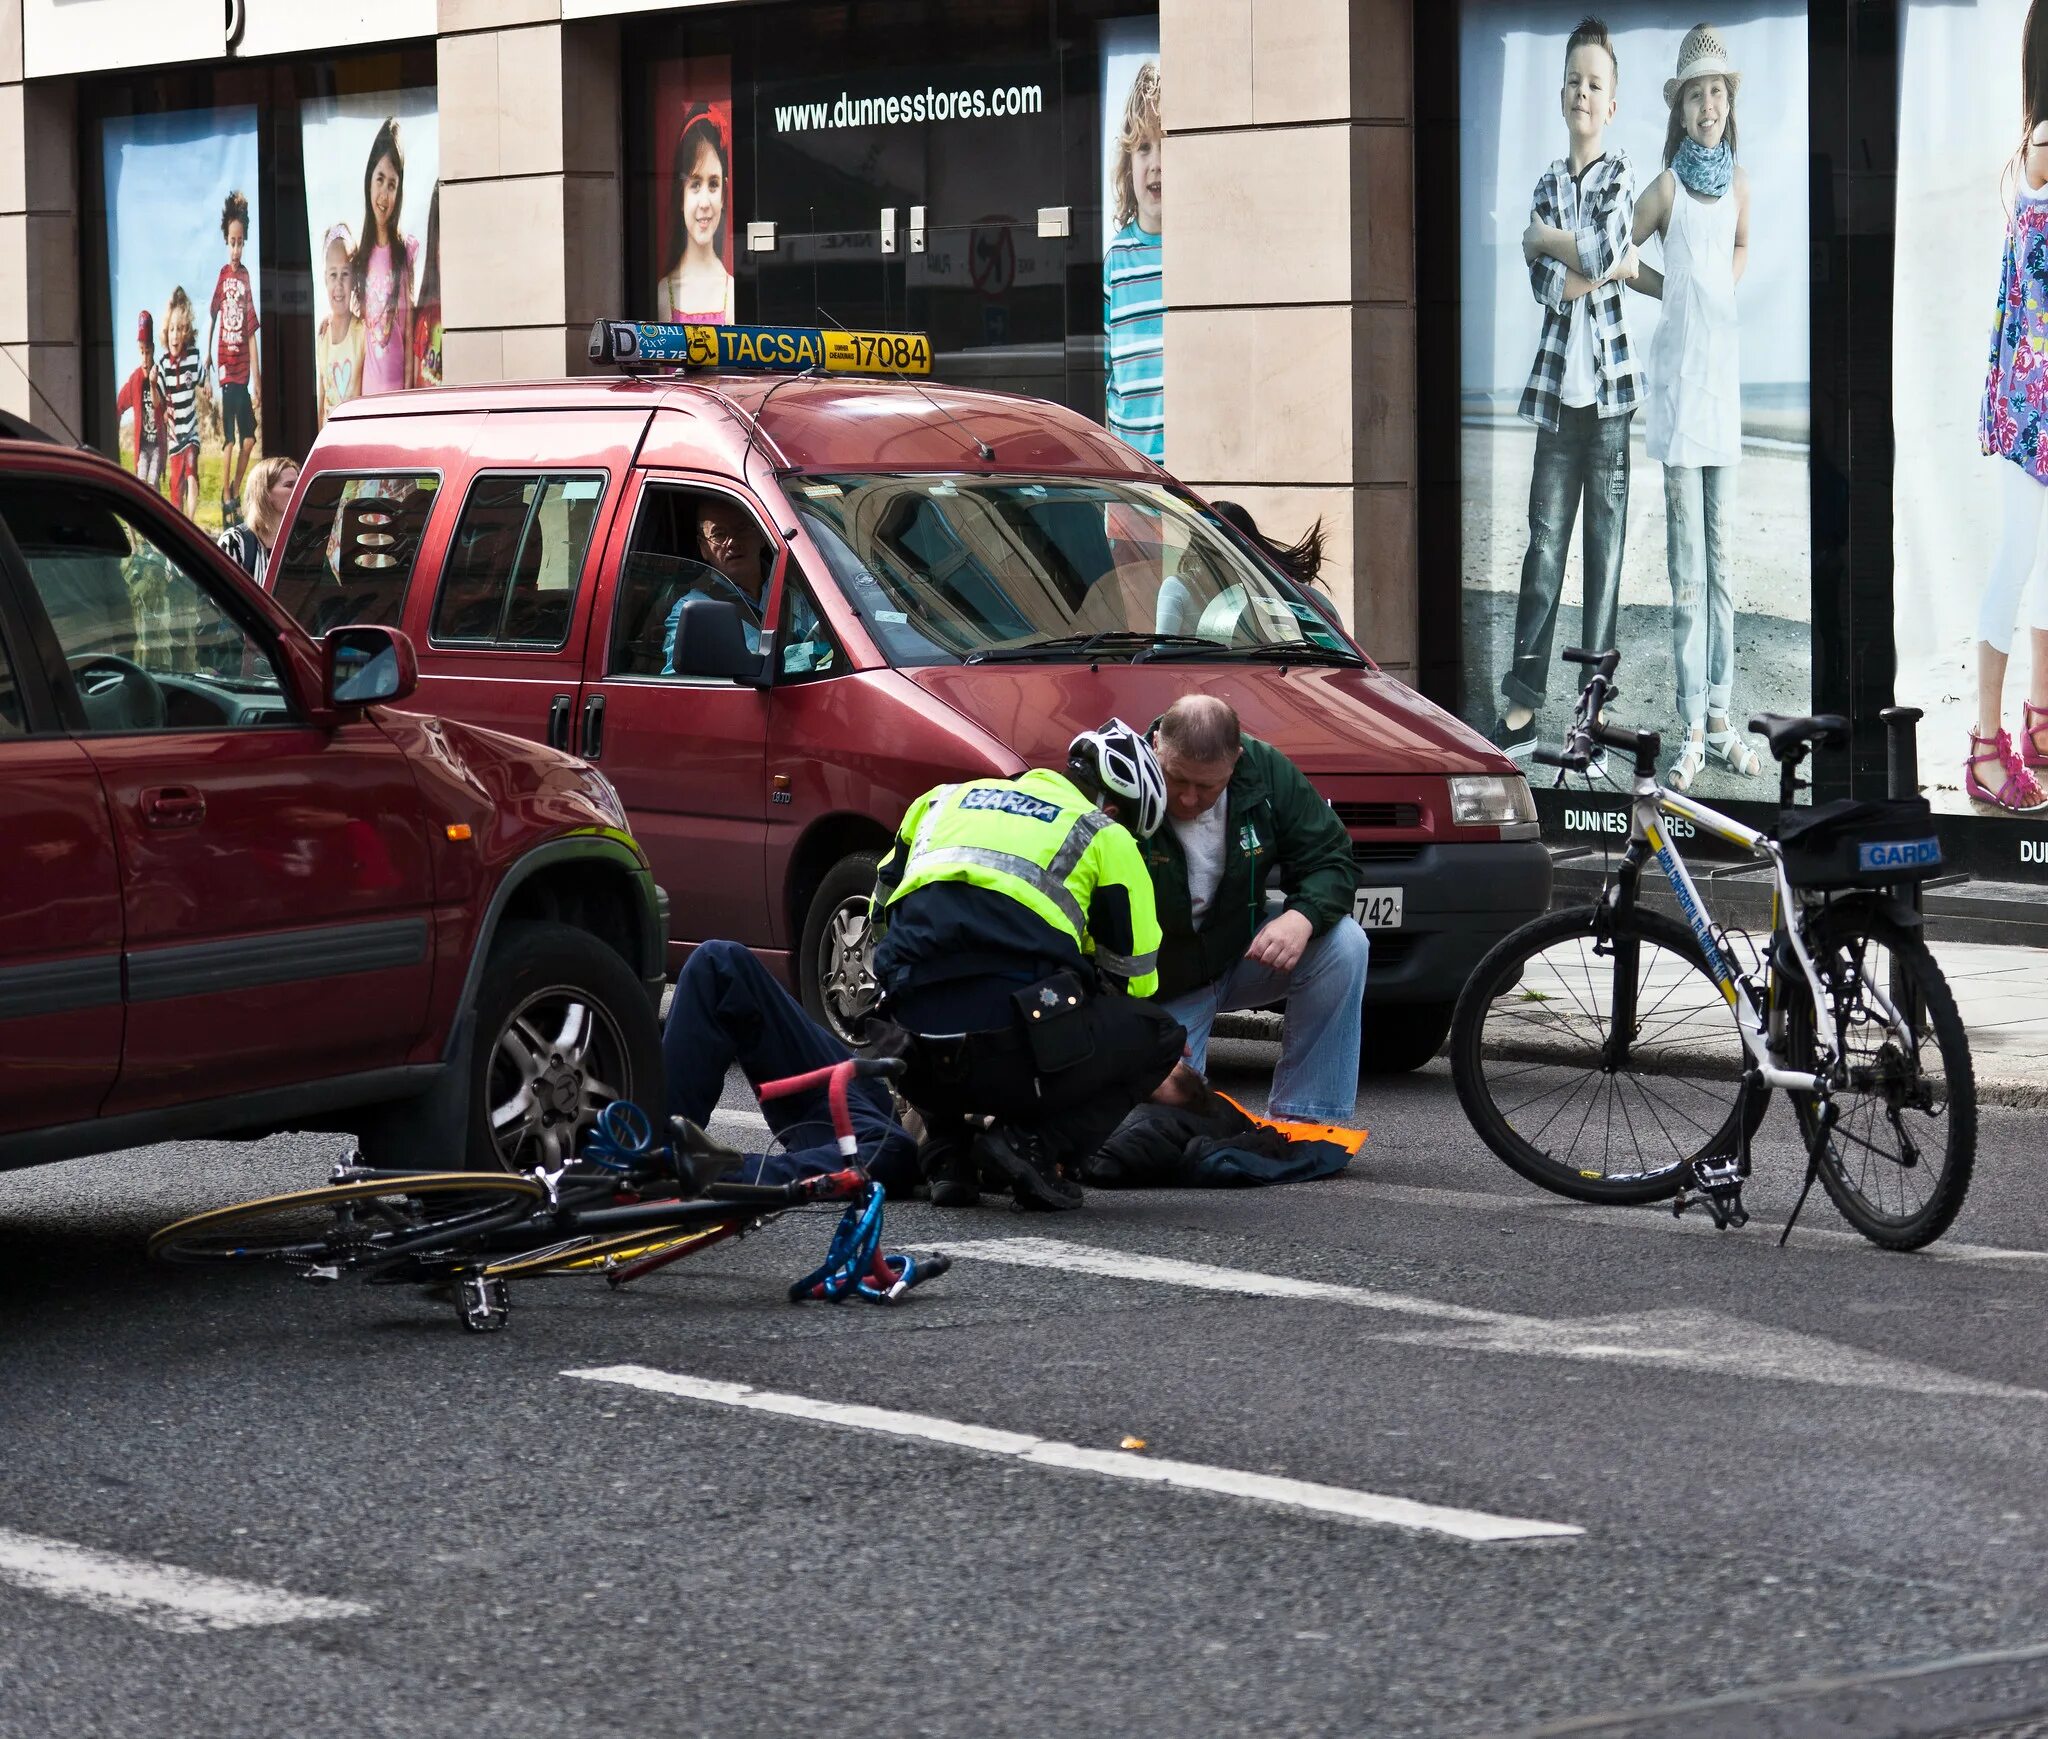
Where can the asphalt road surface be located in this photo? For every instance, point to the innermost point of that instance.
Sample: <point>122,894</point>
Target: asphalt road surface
<point>1425,1452</point>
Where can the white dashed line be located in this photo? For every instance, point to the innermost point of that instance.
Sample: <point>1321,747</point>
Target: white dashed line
<point>156,1596</point>
<point>1697,1340</point>
<point>1299,1494</point>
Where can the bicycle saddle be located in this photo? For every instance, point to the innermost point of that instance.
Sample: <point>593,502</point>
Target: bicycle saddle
<point>1786,734</point>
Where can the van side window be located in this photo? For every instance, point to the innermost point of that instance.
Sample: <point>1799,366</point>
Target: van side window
<point>515,560</point>
<point>686,543</point>
<point>353,543</point>
<point>806,649</point>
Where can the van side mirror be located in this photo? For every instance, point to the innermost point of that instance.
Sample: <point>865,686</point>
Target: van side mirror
<point>711,640</point>
<point>365,665</point>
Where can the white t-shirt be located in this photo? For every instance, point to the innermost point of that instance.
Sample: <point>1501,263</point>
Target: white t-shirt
<point>1580,386</point>
<point>1202,840</point>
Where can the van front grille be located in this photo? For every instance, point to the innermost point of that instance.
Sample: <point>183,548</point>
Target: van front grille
<point>1379,814</point>
<point>1384,851</point>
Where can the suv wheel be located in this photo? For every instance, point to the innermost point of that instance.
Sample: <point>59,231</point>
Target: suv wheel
<point>1395,1038</point>
<point>563,1028</point>
<point>836,965</point>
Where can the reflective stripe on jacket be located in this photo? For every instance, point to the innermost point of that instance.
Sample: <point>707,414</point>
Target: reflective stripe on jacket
<point>1037,840</point>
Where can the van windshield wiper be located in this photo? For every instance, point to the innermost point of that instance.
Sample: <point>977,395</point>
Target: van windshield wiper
<point>1299,652</point>
<point>1134,641</point>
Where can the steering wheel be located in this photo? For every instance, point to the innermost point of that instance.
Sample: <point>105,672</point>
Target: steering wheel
<point>125,698</point>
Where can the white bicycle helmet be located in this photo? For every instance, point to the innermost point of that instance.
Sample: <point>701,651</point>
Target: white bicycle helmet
<point>1115,761</point>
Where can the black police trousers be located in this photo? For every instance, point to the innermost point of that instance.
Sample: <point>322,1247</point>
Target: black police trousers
<point>1123,1048</point>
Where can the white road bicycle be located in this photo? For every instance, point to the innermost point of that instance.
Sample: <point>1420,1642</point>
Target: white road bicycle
<point>1614,1054</point>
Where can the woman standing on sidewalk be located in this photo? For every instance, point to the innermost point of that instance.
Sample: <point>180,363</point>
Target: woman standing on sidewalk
<point>268,492</point>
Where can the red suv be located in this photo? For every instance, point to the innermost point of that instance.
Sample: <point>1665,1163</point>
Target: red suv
<point>243,894</point>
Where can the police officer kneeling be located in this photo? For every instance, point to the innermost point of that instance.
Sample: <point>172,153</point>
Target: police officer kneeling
<point>1016,937</point>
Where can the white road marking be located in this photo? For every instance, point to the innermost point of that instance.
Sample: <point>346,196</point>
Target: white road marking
<point>1674,1339</point>
<point>1655,1218</point>
<point>1299,1494</point>
<point>157,1596</point>
<point>1659,1218</point>
<point>1202,1277</point>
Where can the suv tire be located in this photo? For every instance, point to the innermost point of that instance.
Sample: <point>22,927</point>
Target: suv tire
<point>1398,1037</point>
<point>564,1026</point>
<point>835,961</point>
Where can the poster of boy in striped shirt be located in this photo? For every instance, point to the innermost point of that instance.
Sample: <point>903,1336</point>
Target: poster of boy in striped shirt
<point>1133,294</point>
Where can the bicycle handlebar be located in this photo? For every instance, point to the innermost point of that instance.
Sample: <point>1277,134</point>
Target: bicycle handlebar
<point>1604,662</point>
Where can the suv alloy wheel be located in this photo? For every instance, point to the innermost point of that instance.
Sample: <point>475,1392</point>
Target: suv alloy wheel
<point>563,1028</point>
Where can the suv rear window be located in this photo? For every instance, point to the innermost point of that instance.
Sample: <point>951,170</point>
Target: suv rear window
<point>352,547</point>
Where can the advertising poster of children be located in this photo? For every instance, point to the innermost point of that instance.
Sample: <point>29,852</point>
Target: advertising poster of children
<point>185,289</point>
<point>1636,374</point>
<point>373,165</point>
<point>1133,287</point>
<point>1969,400</point>
<point>693,217</point>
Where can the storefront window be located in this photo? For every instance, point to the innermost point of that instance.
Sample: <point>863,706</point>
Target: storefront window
<point>818,119</point>
<point>261,243</point>
<point>1970,412</point>
<point>1634,377</point>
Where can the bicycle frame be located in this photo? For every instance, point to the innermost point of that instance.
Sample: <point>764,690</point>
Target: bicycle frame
<point>1649,804</point>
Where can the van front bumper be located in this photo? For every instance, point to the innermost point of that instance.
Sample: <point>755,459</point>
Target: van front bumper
<point>1457,901</point>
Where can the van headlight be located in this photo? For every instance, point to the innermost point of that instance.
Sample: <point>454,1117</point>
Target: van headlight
<point>1490,799</point>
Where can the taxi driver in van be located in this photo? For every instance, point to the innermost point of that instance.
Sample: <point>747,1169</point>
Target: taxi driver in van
<point>734,558</point>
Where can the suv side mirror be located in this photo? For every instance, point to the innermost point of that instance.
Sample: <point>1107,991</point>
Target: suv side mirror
<point>711,640</point>
<point>365,665</point>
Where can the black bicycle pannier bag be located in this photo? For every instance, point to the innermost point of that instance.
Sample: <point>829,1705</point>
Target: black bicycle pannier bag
<point>1859,843</point>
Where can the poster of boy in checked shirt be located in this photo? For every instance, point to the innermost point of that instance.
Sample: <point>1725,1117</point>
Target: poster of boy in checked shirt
<point>1584,385</point>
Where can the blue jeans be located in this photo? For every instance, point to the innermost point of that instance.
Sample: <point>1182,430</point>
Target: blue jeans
<point>727,1010</point>
<point>1317,1079</point>
<point>1585,456</point>
<point>1696,503</point>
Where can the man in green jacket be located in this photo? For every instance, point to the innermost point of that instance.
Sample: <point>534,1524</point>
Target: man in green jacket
<point>1236,809</point>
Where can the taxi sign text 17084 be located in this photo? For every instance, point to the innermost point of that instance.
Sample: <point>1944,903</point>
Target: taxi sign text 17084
<point>782,349</point>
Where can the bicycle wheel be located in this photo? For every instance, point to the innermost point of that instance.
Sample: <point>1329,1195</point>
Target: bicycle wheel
<point>1529,1052</point>
<point>1899,1160</point>
<point>350,1225</point>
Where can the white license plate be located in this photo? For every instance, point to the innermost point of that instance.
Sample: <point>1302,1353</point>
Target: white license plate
<point>1377,908</point>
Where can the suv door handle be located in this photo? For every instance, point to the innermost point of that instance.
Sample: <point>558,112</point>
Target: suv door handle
<point>558,721</point>
<point>173,806</point>
<point>593,727</point>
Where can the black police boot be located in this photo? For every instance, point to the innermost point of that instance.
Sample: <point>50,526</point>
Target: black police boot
<point>951,1170</point>
<point>1019,1157</point>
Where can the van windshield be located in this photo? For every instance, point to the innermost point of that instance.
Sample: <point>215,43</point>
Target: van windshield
<point>969,570</point>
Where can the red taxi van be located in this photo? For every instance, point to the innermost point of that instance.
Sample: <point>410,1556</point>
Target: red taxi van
<point>774,608</point>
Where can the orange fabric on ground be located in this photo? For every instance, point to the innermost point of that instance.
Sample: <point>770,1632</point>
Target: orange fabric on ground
<point>1351,1140</point>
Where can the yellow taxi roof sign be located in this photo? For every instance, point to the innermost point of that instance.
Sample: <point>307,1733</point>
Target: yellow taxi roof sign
<point>649,344</point>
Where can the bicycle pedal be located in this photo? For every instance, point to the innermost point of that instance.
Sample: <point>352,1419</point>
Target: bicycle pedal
<point>482,1304</point>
